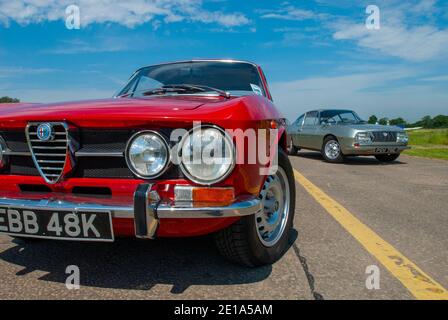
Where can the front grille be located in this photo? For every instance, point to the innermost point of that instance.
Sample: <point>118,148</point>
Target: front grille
<point>49,156</point>
<point>87,140</point>
<point>384,136</point>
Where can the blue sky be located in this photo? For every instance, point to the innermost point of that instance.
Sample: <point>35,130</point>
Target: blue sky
<point>316,54</point>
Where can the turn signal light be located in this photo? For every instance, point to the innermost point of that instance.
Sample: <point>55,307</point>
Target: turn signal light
<point>203,195</point>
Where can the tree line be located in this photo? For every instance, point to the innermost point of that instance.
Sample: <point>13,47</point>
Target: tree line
<point>8,100</point>
<point>439,121</point>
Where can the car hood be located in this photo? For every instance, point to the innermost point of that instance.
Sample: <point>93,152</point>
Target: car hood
<point>372,127</point>
<point>118,106</point>
<point>106,110</point>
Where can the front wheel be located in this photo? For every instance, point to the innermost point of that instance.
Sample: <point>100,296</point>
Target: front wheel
<point>331,150</point>
<point>262,239</point>
<point>387,157</point>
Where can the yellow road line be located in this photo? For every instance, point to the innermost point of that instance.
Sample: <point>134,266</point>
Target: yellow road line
<point>421,285</point>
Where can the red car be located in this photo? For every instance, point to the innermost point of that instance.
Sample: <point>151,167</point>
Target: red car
<point>184,149</point>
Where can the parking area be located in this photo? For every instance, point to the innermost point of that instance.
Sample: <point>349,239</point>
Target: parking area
<point>400,206</point>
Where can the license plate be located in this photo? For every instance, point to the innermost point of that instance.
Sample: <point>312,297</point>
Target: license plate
<point>382,150</point>
<point>62,225</point>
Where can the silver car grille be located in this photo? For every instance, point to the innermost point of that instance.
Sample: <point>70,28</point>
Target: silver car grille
<point>384,136</point>
<point>49,156</point>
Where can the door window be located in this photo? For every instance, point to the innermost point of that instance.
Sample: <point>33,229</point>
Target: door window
<point>311,119</point>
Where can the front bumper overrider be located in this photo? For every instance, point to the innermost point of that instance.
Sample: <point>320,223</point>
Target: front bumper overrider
<point>147,209</point>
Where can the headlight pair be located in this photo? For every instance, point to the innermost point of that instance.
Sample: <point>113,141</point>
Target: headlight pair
<point>206,155</point>
<point>364,137</point>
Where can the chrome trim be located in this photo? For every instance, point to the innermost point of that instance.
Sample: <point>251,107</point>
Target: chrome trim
<point>38,154</point>
<point>168,152</point>
<point>229,171</point>
<point>99,154</point>
<point>165,210</point>
<point>15,153</point>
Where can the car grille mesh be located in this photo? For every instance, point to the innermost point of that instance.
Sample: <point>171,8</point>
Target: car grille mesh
<point>49,156</point>
<point>384,136</point>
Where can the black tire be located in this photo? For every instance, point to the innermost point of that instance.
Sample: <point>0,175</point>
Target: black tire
<point>240,242</point>
<point>292,149</point>
<point>387,157</point>
<point>340,157</point>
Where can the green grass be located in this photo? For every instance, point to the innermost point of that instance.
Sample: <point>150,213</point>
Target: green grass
<point>429,143</point>
<point>427,137</point>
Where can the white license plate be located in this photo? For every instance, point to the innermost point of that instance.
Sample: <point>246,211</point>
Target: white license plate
<point>63,225</point>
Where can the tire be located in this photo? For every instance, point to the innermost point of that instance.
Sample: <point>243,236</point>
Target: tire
<point>332,155</point>
<point>292,149</point>
<point>387,157</point>
<point>242,242</point>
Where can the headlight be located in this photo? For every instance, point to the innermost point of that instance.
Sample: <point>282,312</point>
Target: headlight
<point>363,137</point>
<point>402,137</point>
<point>207,155</point>
<point>147,154</point>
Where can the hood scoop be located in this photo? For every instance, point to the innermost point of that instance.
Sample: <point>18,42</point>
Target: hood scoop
<point>48,143</point>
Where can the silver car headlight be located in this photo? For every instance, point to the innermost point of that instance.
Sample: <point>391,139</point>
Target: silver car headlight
<point>207,155</point>
<point>147,154</point>
<point>402,137</point>
<point>364,137</point>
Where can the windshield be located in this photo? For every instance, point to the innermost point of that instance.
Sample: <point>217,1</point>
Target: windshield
<point>237,78</point>
<point>340,116</point>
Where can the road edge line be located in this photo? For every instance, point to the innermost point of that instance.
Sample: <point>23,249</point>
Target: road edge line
<point>419,284</point>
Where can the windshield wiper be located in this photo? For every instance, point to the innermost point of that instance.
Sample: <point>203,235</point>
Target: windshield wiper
<point>177,88</point>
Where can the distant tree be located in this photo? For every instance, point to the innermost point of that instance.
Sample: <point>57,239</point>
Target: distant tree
<point>373,119</point>
<point>383,121</point>
<point>397,122</point>
<point>440,121</point>
<point>8,100</point>
<point>426,122</point>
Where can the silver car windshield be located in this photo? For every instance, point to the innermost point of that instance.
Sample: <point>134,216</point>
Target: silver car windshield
<point>237,78</point>
<point>340,117</point>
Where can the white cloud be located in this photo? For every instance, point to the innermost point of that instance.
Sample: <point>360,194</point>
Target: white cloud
<point>407,32</point>
<point>8,72</point>
<point>288,12</point>
<point>129,13</point>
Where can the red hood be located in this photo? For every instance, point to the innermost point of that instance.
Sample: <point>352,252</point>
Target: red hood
<point>120,109</point>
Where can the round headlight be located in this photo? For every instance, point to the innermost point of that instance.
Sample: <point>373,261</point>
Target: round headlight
<point>208,155</point>
<point>147,154</point>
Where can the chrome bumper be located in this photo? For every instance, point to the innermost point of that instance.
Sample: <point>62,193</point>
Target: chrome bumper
<point>373,149</point>
<point>146,209</point>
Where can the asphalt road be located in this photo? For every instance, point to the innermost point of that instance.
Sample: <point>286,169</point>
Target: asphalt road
<point>405,203</point>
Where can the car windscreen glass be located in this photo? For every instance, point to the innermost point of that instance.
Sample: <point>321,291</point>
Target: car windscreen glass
<point>238,78</point>
<point>339,116</point>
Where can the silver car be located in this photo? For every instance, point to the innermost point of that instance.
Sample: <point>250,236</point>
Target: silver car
<point>340,133</point>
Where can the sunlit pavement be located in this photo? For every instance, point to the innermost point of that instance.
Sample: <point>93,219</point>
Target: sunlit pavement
<point>404,203</point>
